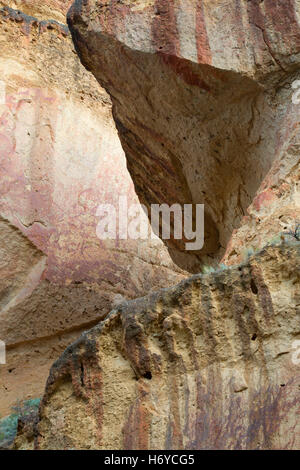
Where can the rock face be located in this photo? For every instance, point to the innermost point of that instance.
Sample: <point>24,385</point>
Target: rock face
<point>44,10</point>
<point>202,97</point>
<point>208,364</point>
<point>204,101</point>
<point>206,105</point>
<point>60,157</point>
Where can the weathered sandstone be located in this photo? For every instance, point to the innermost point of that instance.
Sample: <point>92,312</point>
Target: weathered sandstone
<point>43,10</point>
<point>207,364</point>
<point>60,157</point>
<point>202,97</point>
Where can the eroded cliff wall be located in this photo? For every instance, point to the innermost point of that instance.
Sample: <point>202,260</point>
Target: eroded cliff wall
<point>207,364</point>
<point>202,97</point>
<point>60,157</point>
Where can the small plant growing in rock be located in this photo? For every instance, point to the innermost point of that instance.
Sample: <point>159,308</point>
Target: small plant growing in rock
<point>294,233</point>
<point>211,269</point>
<point>208,269</point>
<point>27,408</point>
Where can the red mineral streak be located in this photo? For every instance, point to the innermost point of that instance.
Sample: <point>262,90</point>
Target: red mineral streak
<point>269,18</point>
<point>238,24</point>
<point>183,68</point>
<point>264,199</point>
<point>203,47</point>
<point>136,431</point>
<point>282,19</point>
<point>64,229</point>
<point>164,28</point>
<point>115,20</point>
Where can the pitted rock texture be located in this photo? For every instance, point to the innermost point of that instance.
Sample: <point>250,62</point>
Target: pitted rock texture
<point>207,364</point>
<point>43,10</point>
<point>202,98</point>
<point>60,157</point>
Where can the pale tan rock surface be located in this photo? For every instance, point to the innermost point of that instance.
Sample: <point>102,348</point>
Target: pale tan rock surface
<point>60,157</point>
<point>208,364</point>
<point>202,96</point>
<point>43,10</point>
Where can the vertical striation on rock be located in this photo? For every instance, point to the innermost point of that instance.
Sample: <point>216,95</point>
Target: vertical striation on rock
<point>207,364</point>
